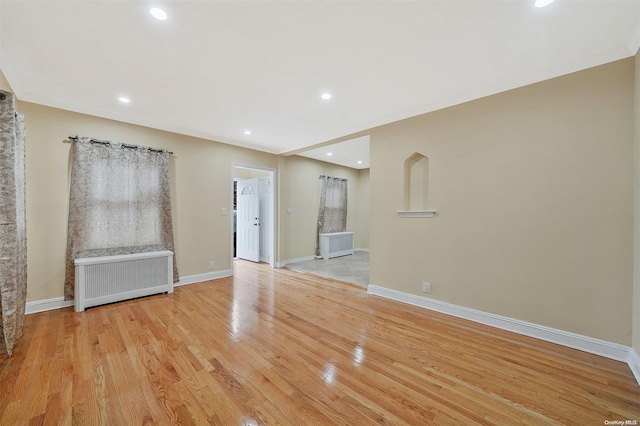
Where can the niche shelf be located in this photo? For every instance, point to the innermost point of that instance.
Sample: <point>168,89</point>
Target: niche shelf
<point>416,213</point>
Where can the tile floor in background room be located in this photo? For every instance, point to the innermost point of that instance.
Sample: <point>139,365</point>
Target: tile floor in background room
<point>353,269</point>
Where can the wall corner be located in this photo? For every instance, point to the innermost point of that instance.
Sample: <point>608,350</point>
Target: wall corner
<point>635,326</point>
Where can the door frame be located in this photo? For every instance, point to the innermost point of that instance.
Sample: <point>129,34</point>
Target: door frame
<point>271,243</point>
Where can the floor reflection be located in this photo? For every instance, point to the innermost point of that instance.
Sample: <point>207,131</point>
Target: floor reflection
<point>358,355</point>
<point>329,374</point>
<point>250,297</point>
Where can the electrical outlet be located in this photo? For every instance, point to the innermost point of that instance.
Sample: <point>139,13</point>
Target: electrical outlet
<point>211,264</point>
<point>426,287</point>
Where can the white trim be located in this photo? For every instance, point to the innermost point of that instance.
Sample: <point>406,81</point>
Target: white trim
<point>284,263</point>
<point>270,257</point>
<point>361,249</point>
<point>416,213</point>
<point>634,364</point>
<point>576,341</point>
<point>47,305</point>
<point>207,276</point>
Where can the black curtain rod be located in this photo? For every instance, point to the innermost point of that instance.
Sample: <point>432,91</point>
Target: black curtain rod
<point>124,145</point>
<point>331,177</point>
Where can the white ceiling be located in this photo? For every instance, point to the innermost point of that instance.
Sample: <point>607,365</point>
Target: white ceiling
<point>352,153</point>
<point>217,68</point>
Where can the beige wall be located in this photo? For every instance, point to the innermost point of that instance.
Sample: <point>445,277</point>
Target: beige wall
<point>300,191</point>
<point>636,192</point>
<point>244,173</point>
<point>362,222</point>
<point>201,175</point>
<point>534,193</point>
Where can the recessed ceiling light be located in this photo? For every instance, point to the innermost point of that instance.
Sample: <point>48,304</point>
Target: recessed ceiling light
<point>247,132</point>
<point>359,161</point>
<point>124,99</point>
<point>329,154</point>
<point>543,3</point>
<point>326,96</point>
<point>158,13</point>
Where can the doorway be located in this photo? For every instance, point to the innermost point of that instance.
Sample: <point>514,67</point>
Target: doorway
<point>253,218</point>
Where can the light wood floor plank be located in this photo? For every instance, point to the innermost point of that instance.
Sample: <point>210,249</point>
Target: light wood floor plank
<point>275,347</point>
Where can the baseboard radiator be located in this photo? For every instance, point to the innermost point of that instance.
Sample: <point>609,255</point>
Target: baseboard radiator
<point>108,279</point>
<point>336,244</point>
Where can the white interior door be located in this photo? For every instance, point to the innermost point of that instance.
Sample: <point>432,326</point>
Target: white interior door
<point>248,220</point>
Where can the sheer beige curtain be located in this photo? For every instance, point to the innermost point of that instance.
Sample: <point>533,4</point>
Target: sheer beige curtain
<point>13,235</point>
<point>120,203</point>
<point>332,215</point>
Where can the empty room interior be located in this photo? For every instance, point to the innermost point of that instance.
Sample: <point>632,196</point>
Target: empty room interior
<point>296,213</point>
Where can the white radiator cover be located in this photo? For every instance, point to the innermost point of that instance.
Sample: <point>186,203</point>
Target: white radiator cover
<point>336,244</point>
<point>109,279</point>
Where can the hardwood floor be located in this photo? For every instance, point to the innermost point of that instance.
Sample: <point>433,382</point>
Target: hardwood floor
<point>277,347</point>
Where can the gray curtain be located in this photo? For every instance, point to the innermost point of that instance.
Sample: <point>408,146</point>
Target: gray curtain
<point>119,203</point>
<point>13,235</point>
<point>332,215</point>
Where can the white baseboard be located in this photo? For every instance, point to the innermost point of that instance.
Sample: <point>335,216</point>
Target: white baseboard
<point>634,364</point>
<point>207,276</point>
<point>284,263</point>
<point>59,302</point>
<point>47,305</point>
<point>584,343</point>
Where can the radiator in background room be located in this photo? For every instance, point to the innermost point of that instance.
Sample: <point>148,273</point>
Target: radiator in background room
<point>336,244</point>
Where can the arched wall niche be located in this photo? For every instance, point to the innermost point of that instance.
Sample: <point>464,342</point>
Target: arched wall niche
<point>416,187</point>
<point>416,182</point>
